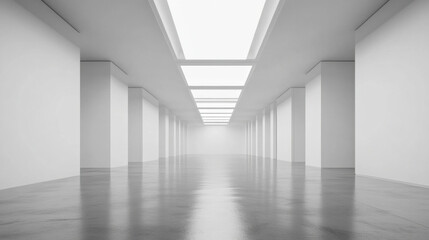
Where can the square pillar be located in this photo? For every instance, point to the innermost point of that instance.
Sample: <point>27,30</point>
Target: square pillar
<point>104,116</point>
<point>164,123</point>
<point>329,124</point>
<point>273,131</point>
<point>172,135</point>
<point>266,133</point>
<point>291,125</point>
<point>143,130</point>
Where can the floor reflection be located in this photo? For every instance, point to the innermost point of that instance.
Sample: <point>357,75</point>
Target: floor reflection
<point>95,204</point>
<point>215,214</point>
<point>207,197</point>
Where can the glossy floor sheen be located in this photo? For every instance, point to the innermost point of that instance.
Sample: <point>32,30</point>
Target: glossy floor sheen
<point>221,198</point>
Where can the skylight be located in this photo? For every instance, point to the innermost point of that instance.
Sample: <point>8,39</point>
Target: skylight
<point>216,115</point>
<point>216,110</point>
<point>213,121</point>
<point>216,75</point>
<point>216,43</point>
<point>216,93</point>
<point>216,104</point>
<point>216,29</point>
<point>201,100</point>
<point>220,124</point>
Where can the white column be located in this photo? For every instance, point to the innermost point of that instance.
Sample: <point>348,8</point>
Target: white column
<point>163,132</point>
<point>248,138</point>
<point>184,139</point>
<point>267,133</point>
<point>177,147</point>
<point>273,131</point>
<point>104,116</point>
<point>259,135</point>
<point>172,135</point>
<point>254,138</point>
<point>143,114</point>
<point>291,125</point>
<point>329,107</point>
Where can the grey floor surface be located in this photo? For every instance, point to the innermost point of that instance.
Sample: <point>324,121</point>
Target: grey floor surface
<point>221,198</point>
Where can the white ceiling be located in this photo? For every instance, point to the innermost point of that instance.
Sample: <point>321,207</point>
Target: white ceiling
<point>127,33</point>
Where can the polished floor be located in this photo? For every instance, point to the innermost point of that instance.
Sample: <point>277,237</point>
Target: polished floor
<point>221,198</point>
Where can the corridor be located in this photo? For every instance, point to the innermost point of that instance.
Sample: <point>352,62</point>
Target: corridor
<point>215,197</point>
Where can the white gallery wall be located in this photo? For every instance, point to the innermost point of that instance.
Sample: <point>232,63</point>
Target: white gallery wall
<point>39,100</point>
<point>150,128</point>
<point>172,135</point>
<point>329,118</point>
<point>143,129</point>
<point>253,138</point>
<point>104,116</point>
<point>273,131</point>
<point>259,135</point>
<point>291,125</point>
<point>164,123</point>
<point>266,133</point>
<point>118,122</point>
<point>392,113</point>
<point>217,140</point>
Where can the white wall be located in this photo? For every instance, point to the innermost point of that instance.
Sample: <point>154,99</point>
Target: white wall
<point>284,130</point>
<point>392,114</point>
<point>338,115</point>
<point>135,125</point>
<point>95,115</point>
<point>298,123</point>
<point>291,125</point>
<point>118,122</point>
<point>313,122</point>
<point>163,132</point>
<point>178,137</point>
<point>39,100</point>
<point>104,118</point>
<point>172,135</point>
<point>184,137</point>
<point>150,130</point>
<point>267,133</point>
<point>330,116</point>
<point>144,131</point>
<point>273,131</point>
<point>259,135</point>
<point>253,138</point>
<point>216,139</point>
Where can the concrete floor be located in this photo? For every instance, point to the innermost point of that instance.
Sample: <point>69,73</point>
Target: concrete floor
<point>221,198</point>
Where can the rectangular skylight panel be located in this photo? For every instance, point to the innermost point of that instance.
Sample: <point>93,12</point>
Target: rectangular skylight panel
<point>216,29</point>
<point>216,75</point>
<point>216,110</point>
<point>216,115</point>
<point>216,93</point>
<point>215,124</point>
<point>216,104</point>
<point>234,100</point>
<point>216,118</point>
<point>214,121</point>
